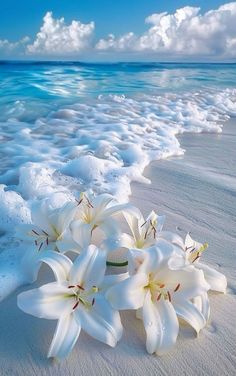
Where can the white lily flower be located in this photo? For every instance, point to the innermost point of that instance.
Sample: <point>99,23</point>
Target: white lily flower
<point>50,227</point>
<point>144,231</point>
<point>160,294</point>
<point>193,251</point>
<point>76,299</point>
<point>96,212</point>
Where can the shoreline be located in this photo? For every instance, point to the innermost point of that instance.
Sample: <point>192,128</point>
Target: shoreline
<point>196,192</point>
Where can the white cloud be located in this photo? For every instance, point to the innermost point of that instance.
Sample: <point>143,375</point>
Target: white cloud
<point>57,38</point>
<point>8,47</point>
<point>187,32</point>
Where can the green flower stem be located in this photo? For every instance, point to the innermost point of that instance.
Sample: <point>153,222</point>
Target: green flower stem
<point>110,263</point>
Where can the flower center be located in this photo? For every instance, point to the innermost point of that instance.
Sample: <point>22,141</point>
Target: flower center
<point>82,296</point>
<point>195,253</point>
<point>41,238</point>
<point>87,213</point>
<point>150,230</point>
<point>158,290</point>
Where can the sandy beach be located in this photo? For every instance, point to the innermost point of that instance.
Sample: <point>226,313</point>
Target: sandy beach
<point>197,193</point>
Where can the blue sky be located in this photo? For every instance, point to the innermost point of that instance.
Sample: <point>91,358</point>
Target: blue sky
<point>109,29</point>
<point>24,17</point>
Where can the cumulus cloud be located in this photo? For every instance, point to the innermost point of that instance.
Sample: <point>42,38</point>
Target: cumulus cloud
<point>7,47</point>
<point>57,38</point>
<point>186,32</point>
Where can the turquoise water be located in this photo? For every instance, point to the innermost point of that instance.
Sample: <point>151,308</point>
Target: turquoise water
<point>58,82</point>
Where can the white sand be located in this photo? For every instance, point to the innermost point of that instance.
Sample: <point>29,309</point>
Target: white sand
<point>197,193</point>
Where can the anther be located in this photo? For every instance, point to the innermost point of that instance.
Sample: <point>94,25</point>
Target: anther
<point>93,301</point>
<point>162,285</point>
<point>40,246</point>
<point>45,232</point>
<point>169,297</point>
<point>35,232</point>
<point>144,224</point>
<point>196,257</point>
<point>159,297</point>
<point>177,287</point>
<point>76,305</point>
<point>80,287</point>
<point>71,286</point>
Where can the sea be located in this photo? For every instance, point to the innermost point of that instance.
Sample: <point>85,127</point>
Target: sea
<point>67,127</point>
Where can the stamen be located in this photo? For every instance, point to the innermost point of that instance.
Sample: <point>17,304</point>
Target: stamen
<point>76,305</point>
<point>187,248</point>
<point>89,203</point>
<point>80,287</point>
<point>144,224</point>
<point>79,201</point>
<point>196,257</point>
<point>35,232</point>
<point>169,296</point>
<point>177,287</point>
<point>159,297</point>
<point>40,246</point>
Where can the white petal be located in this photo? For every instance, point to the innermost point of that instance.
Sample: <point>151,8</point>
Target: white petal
<point>81,233</point>
<point>47,302</point>
<point>63,216</point>
<point>127,241</point>
<point>40,212</point>
<point>115,209</point>
<point>215,279</point>
<point>155,256</point>
<point>65,337</point>
<point>173,238</point>
<point>101,321</point>
<point>190,313</point>
<point>89,267</point>
<point>24,232</point>
<point>59,264</point>
<point>191,280</point>
<point>134,217</point>
<point>30,264</point>
<point>202,304</point>
<point>161,325</point>
<point>128,294</point>
<point>111,280</point>
<point>66,245</point>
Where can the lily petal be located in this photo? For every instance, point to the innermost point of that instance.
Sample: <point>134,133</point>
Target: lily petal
<point>128,294</point>
<point>46,302</point>
<point>202,304</point>
<point>89,267</point>
<point>81,233</point>
<point>111,280</point>
<point>191,314</point>
<point>101,321</point>
<point>65,337</point>
<point>215,279</point>
<point>161,325</point>
<point>62,217</point>
<point>59,264</point>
